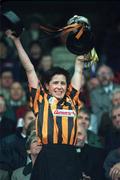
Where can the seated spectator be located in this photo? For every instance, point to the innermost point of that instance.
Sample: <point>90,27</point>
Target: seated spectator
<point>17,95</point>
<point>105,119</point>
<point>112,136</point>
<point>112,165</point>
<point>90,159</point>
<point>17,98</point>
<point>44,65</point>
<point>12,148</point>
<point>87,86</point>
<point>115,171</point>
<point>33,32</point>
<point>35,52</point>
<point>6,55</point>
<point>8,58</point>
<point>6,82</point>
<point>84,120</point>
<point>7,125</point>
<point>33,149</point>
<point>115,96</point>
<point>99,97</point>
<point>93,83</point>
<point>61,56</point>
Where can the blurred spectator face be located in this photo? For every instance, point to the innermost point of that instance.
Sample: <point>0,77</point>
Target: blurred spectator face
<point>105,75</point>
<point>116,98</point>
<point>2,105</point>
<point>81,136</point>
<point>46,62</point>
<point>6,79</point>
<point>116,118</point>
<point>83,119</point>
<point>29,117</point>
<point>35,51</point>
<point>16,91</point>
<point>93,83</point>
<point>35,148</point>
<point>3,50</point>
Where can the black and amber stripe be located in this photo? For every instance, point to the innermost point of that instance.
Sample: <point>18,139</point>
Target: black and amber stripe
<point>50,128</point>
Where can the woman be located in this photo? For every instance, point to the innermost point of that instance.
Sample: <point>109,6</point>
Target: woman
<point>56,117</point>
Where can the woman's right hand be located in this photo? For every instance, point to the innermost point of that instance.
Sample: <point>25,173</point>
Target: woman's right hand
<point>10,34</point>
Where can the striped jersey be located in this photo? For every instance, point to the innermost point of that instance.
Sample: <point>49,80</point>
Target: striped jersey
<point>56,121</point>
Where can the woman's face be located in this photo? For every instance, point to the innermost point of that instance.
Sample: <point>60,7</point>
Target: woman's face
<point>57,86</point>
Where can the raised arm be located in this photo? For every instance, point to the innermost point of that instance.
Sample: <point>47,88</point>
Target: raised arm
<point>28,66</point>
<point>76,80</point>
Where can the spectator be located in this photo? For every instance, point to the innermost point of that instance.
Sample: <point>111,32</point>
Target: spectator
<point>33,31</point>
<point>6,55</point>
<point>112,136</point>
<point>84,120</point>
<point>99,97</point>
<point>61,56</point>
<point>115,97</point>
<point>6,82</point>
<point>112,165</point>
<point>17,95</point>
<point>35,52</point>
<point>8,58</point>
<point>105,119</point>
<point>12,148</point>
<point>33,148</point>
<point>45,64</point>
<point>7,125</point>
<point>90,159</point>
<point>17,98</point>
<point>93,83</point>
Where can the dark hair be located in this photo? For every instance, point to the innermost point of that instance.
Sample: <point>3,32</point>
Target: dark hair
<point>56,71</point>
<point>84,110</point>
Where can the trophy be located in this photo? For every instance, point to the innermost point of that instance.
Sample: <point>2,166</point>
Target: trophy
<point>9,20</point>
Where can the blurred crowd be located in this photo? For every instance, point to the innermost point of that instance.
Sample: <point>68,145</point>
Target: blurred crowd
<point>98,144</point>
